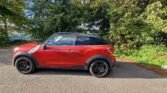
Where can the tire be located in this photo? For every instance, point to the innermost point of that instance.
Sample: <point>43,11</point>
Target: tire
<point>24,65</point>
<point>99,68</point>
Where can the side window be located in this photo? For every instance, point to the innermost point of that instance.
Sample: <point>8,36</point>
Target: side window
<point>61,40</point>
<point>97,41</point>
<point>86,40</point>
<point>82,40</point>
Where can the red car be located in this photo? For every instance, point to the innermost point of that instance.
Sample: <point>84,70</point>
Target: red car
<point>66,50</point>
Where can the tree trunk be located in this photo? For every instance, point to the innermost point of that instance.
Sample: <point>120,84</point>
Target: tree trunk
<point>5,26</point>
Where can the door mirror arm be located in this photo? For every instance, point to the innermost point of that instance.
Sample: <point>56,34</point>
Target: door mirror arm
<point>44,46</point>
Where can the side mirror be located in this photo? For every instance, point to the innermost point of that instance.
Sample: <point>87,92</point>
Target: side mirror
<point>44,46</point>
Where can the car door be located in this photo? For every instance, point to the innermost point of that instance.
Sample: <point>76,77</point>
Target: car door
<point>58,52</point>
<point>85,44</point>
<point>81,48</point>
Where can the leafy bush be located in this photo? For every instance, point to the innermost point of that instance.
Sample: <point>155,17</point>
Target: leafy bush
<point>149,54</point>
<point>134,23</point>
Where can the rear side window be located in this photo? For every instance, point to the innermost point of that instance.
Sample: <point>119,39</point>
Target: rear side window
<point>88,40</point>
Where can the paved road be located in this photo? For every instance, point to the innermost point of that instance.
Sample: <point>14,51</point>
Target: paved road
<point>125,78</point>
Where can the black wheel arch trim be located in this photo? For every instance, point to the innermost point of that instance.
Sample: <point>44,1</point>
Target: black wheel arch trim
<point>19,54</point>
<point>90,60</point>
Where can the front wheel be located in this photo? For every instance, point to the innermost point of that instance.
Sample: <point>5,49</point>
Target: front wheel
<point>24,65</point>
<point>99,68</point>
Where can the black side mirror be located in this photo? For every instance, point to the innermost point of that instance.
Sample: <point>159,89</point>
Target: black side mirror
<point>44,46</point>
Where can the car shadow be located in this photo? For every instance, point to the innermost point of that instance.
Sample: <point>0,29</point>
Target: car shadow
<point>121,70</point>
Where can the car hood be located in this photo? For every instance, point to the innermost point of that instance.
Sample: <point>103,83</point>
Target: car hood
<point>27,47</point>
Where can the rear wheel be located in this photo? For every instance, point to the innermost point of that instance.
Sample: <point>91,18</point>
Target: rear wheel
<point>24,65</point>
<point>99,68</point>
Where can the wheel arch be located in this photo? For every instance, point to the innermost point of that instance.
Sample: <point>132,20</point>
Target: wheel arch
<point>24,54</point>
<point>97,57</point>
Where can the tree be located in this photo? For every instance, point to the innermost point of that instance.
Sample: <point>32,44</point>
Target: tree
<point>133,24</point>
<point>155,16</point>
<point>11,13</point>
<point>95,15</point>
<point>37,13</point>
<point>63,16</point>
<point>50,16</point>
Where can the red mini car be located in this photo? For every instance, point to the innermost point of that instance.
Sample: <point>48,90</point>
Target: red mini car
<point>66,50</point>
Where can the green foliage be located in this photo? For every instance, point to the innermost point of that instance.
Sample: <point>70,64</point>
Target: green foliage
<point>129,23</point>
<point>133,25</point>
<point>148,54</point>
<point>12,11</point>
<point>96,14</point>
<point>155,16</point>
<point>11,17</point>
<point>11,7</point>
<point>63,16</point>
<point>125,25</point>
<point>37,13</point>
<point>49,17</point>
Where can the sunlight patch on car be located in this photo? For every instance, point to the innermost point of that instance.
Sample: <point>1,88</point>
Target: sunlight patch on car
<point>34,49</point>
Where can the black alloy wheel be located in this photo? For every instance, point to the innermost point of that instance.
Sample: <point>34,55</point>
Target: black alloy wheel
<point>99,68</point>
<point>24,65</point>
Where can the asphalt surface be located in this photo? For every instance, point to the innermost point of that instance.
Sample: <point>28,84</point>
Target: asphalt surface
<point>125,78</point>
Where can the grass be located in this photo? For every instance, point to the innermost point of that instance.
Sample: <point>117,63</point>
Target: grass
<point>148,54</point>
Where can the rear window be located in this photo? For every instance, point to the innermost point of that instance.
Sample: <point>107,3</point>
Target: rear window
<point>88,40</point>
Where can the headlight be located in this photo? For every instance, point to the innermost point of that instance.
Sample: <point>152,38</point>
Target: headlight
<point>15,49</point>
